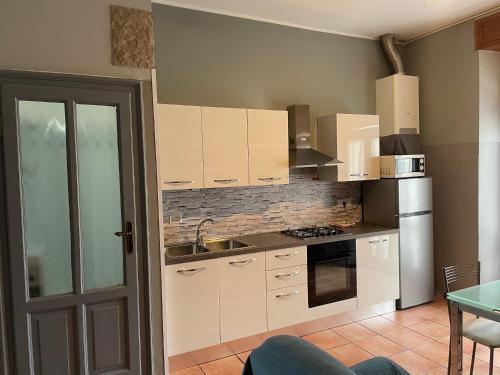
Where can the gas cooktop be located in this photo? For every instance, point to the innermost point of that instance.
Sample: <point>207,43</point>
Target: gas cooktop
<point>310,232</point>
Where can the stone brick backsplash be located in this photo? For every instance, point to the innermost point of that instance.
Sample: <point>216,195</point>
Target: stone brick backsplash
<point>249,210</point>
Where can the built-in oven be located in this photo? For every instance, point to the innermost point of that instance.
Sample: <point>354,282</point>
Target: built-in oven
<point>331,272</point>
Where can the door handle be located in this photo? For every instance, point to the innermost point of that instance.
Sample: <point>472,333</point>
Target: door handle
<point>127,235</point>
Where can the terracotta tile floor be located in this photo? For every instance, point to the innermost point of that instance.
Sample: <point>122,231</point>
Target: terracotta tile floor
<point>416,338</point>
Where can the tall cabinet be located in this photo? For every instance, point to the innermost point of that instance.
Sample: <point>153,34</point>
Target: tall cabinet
<point>353,139</point>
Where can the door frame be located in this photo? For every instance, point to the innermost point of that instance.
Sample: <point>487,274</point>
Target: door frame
<point>149,259</point>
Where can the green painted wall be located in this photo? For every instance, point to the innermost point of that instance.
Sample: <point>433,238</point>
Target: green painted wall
<point>216,60</point>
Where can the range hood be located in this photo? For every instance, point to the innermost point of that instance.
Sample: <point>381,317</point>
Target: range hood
<point>301,155</point>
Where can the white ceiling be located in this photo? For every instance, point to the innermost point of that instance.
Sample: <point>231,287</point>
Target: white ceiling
<point>407,19</point>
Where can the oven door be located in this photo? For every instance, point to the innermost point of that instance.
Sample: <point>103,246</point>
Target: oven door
<point>331,270</point>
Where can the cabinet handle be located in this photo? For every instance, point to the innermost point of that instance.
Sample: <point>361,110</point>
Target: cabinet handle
<point>191,270</point>
<point>227,180</point>
<point>286,255</point>
<point>246,261</point>
<point>358,174</point>
<point>180,182</point>
<point>269,179</point>
<point>378,241</point>
<point>291,274</point>
<point>285,295</point>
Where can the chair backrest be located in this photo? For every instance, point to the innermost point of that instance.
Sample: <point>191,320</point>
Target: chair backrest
<point>458,277</point>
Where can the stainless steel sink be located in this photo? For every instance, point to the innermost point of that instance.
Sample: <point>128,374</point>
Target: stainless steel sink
<point>224,244</point>
<point>185,249</point>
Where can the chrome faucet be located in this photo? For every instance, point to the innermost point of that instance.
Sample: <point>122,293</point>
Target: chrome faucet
<point>199,237</point>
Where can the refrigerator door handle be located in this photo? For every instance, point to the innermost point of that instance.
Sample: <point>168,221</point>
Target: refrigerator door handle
<point>414,214</point>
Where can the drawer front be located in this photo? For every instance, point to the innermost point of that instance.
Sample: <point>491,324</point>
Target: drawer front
<point>192,306</point>
<point>286,277</point>
<point>287,306</point>
<point>295,256</point>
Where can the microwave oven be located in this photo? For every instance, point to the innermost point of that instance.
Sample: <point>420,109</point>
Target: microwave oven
<point>402,166</point>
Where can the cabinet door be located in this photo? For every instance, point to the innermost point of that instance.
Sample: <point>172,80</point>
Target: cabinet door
<point>372,152</point>
<point>225,146</point>
<point>406,108</point>
<point>192,306</point>
<point>268,147</point>
<point>357,147</point>
<point>377,269</point>
<point>181,150</point>
<point>242,296</point>
<point>287,306</point>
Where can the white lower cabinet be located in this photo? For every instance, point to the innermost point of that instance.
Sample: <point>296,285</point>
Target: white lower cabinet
<point>377,263</point>
<point>242,296</point>
<point>287,306</point>
<point>192,306</point>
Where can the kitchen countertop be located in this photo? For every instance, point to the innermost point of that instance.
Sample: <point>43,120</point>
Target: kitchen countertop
<point>276,240</point>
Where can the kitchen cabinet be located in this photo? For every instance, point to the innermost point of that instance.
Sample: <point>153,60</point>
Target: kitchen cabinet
<point>289,257</point>
<point>487,32</point>
<point>353,139</point>
<point>225,146</point>
<point>192,306</point>
<point>285,277</point>
<point>397,104</point>
<point>181,150</point>
<point>267,147</point>
<point>377,269</point>
<point>287,306</point>
<point>242,296</point>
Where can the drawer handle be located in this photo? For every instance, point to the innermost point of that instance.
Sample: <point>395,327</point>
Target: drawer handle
<point>227,180</point>
<point>180,182</point>
<point>284,275</point>
<point>358,174</point>
<point>191,270</point>
<point>378,241</point>
<point>242,262</point>
<point>285,295</point>
<point>269,179</point>
<point>286,255</point>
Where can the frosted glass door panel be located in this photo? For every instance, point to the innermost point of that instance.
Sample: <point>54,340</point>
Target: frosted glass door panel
<point>45,202</point>
<point>99,195</point>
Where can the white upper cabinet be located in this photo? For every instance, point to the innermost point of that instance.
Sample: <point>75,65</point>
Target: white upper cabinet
<point>225,146</point>
<point>397,105</point>
<point>268,147</point>
<point>180,143</point>
<point>377,262</point>
<point>353,139</point>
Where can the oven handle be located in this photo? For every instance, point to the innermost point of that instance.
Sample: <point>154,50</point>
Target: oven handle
<point>286,255</point>
<point>295,292</point>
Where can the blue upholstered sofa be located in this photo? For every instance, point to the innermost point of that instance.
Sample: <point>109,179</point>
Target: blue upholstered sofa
<point>290,355</point>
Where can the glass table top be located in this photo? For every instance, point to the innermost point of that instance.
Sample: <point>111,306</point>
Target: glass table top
<point>484,296</point>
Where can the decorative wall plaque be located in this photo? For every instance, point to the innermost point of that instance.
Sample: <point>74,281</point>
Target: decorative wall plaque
<point>132,37</point>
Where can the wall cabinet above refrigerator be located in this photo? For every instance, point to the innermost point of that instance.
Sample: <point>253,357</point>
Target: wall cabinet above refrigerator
<point>208,147</point>
<point>354,139</point>
<point>397,104</point>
